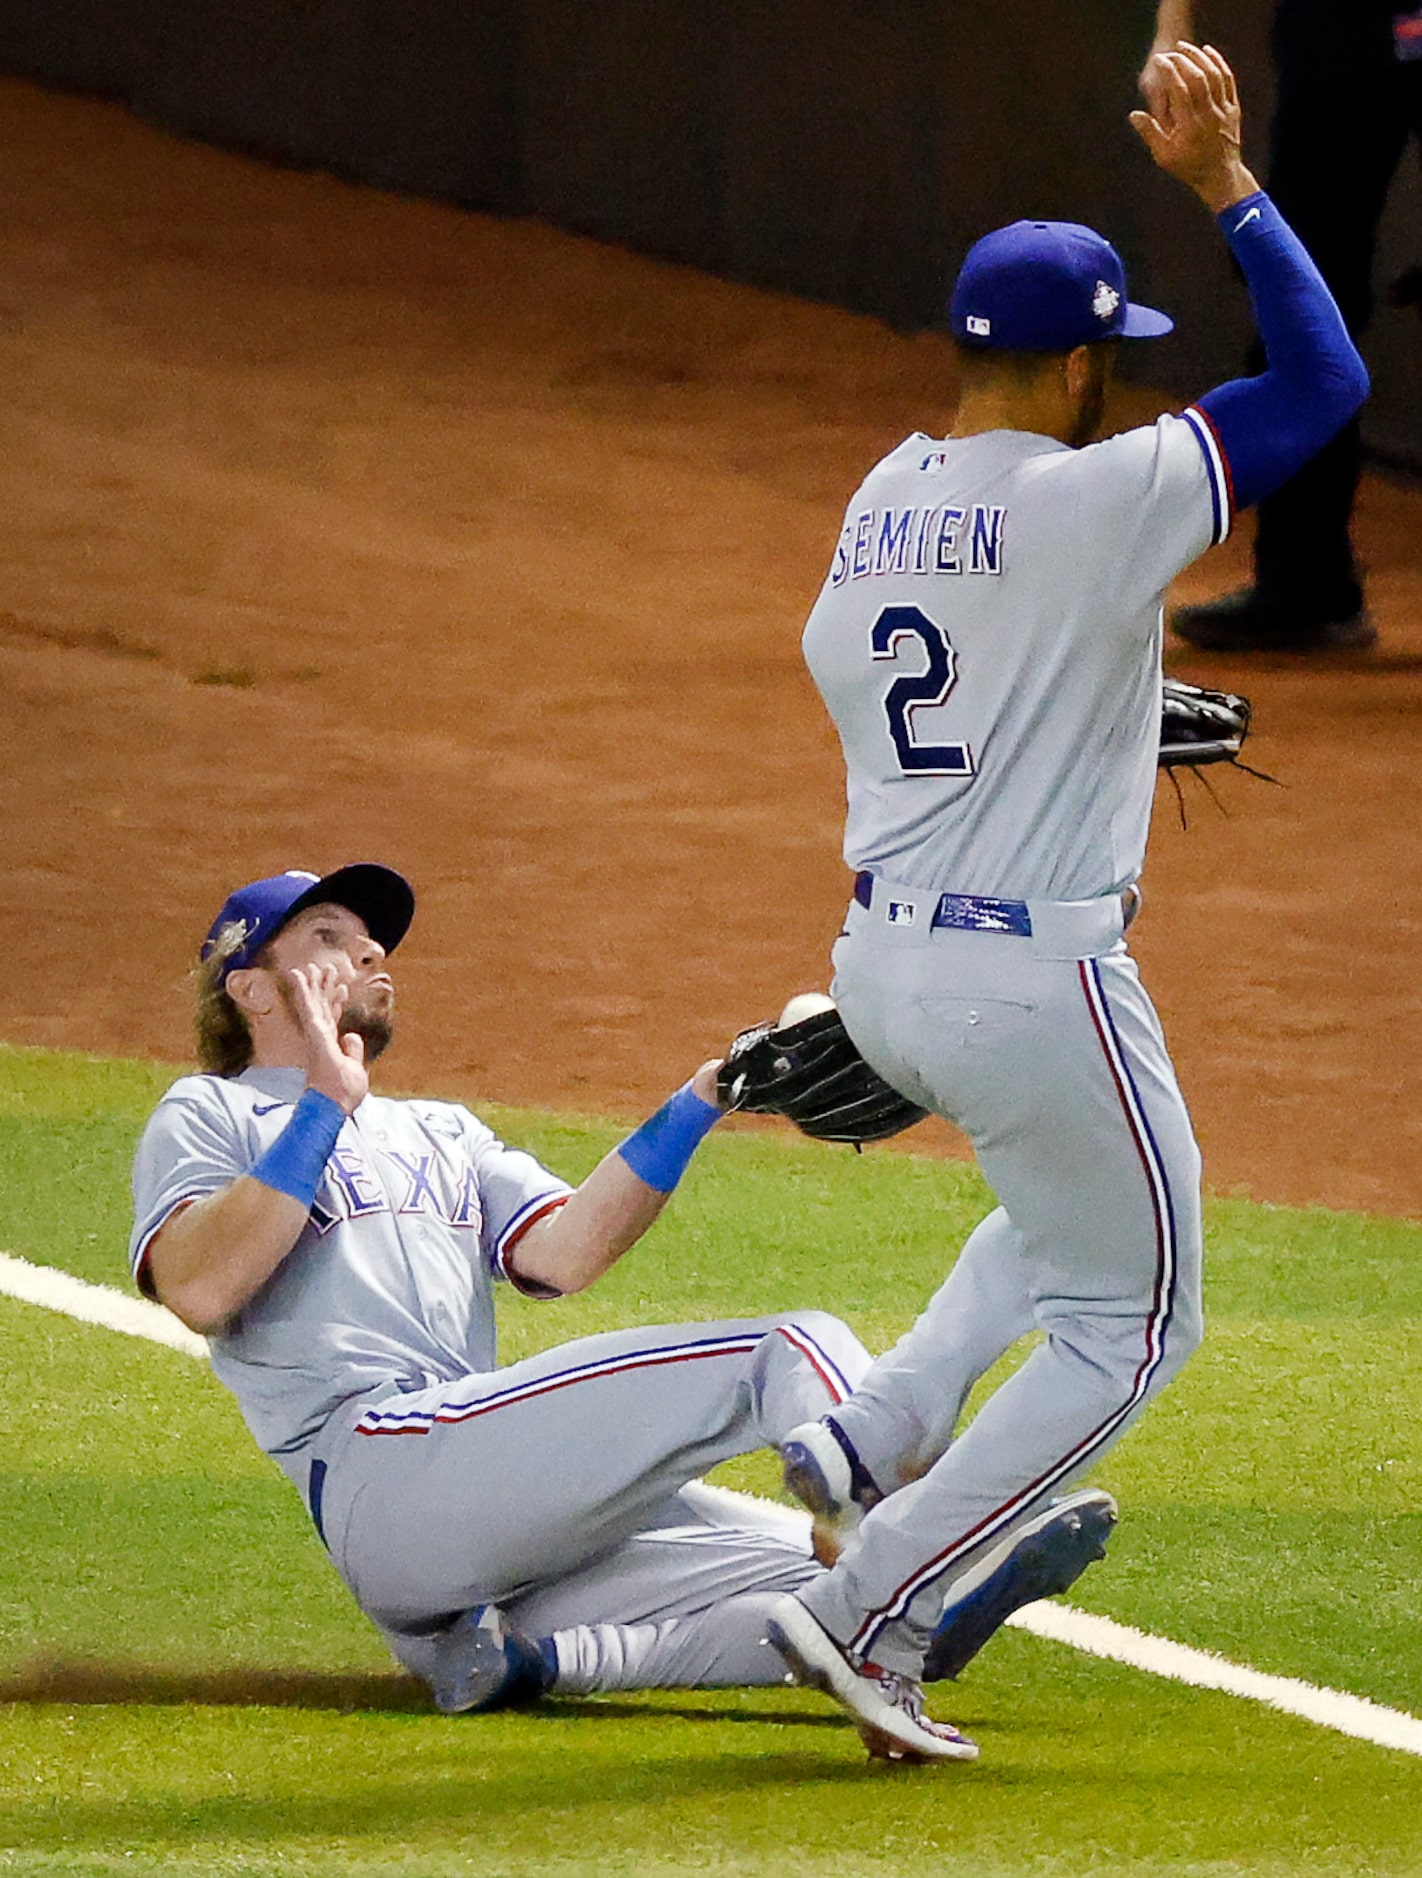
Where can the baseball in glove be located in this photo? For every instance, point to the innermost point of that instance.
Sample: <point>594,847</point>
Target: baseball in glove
<point>805,1067</point>
<point>1199,727</point>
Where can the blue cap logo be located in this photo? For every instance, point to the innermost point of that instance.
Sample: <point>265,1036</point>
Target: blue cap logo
<point>1046,287</point>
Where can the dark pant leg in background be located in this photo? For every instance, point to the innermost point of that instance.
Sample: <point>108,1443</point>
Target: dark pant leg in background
<point>1345,106</point>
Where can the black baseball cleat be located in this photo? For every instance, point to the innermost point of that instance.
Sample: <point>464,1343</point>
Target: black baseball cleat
<point>1250,621</point>
<point>1042,1558</point>
<point>484,1662</point>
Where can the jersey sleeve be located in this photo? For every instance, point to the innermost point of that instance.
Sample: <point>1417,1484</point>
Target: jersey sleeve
<point>1151,501</point>
<point>191,1148</point>
<point>515,1192</point>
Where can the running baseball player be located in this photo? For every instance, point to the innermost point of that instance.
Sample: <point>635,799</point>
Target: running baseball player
<point>511,1531</point>
<point>987,641</point>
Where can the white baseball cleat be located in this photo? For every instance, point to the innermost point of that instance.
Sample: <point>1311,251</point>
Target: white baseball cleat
<point>887,1708</point>
<point>819,1471</point>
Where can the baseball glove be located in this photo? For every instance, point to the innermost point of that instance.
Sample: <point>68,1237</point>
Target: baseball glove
<point>804,1066</point>
<point>1199,727</point>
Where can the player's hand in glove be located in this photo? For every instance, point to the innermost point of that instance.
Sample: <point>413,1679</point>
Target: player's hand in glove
<point>1199,727</point>
<point>805,1067</point>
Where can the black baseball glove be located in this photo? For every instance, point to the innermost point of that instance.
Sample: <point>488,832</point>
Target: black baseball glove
<point>809,1071</point>
<point>1199,727</point>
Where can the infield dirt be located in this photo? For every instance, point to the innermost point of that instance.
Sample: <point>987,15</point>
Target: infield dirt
<point>340,526</point>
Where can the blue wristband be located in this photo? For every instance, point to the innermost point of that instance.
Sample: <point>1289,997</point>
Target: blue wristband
<point>662,1146</point>
<point>296,1160</point>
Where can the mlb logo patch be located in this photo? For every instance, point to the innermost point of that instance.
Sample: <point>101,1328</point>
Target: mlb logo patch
<point>978,326</point>
<point>902,913</point>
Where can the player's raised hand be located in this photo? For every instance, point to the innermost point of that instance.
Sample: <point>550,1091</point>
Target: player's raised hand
<point>335,1064</point>
<point>1152,88</point>
<point>1174,23</point>
<point>1192,129</point>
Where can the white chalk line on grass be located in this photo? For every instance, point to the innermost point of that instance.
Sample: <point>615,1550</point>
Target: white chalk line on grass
<point>1059,1623</point>
<point>1158,1656</point>
<point>96,1304</point>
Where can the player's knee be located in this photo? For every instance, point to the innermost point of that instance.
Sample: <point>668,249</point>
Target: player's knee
<point>1183,1336</point>
<point>830,1337</point>
<point>823,1326</point>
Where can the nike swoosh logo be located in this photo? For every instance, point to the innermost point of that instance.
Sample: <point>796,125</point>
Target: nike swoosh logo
<point>265,1108</point>
<point>1252,216</point>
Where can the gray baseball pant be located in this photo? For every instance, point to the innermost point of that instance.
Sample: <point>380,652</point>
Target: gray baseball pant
<point>1056,1069</point>
<point>565,1489</point>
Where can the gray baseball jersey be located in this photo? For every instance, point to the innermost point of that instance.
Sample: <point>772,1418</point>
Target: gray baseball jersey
<point>987,642</point>
<point>391,1282</point>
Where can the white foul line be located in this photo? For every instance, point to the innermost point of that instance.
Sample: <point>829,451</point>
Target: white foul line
<point>96,1304</point>
<point>1158,1656</point>
<point>1060,1623</point>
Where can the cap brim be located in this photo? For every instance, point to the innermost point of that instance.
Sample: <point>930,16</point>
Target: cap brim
<point>378,895</point>
<point>1143,322</point>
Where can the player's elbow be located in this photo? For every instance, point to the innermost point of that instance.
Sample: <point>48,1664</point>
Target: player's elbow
<point>554,1270</point>
<point>199,1318</point>
<point>203,1306</point>
<point>1338,392</point>
<point>1334,398</point>
<point>1270,427</point>
<point>198,1294</point>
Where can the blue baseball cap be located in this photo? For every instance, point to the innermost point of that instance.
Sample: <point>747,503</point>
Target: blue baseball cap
<point>1046,287</point>
<point>378,895</point>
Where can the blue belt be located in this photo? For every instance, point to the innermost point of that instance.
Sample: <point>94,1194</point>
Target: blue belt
<point>968,912</point>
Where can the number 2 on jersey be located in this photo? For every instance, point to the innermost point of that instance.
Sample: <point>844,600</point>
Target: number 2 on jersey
<point>915,691</point>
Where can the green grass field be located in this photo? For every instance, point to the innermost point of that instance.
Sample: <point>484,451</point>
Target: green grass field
<point>185,1687</point>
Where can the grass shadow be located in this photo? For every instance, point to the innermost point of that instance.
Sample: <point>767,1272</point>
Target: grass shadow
<point>81,1683</point>
<point>85,1684</point>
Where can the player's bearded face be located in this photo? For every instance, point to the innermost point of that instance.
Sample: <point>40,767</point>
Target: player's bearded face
<point>332,936</point>
<point>369,1015</point>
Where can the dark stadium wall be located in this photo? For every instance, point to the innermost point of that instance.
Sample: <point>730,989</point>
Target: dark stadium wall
<point>848,150</point>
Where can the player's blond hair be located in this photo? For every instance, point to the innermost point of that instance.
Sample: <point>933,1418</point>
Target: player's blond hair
<point>224,1041</point>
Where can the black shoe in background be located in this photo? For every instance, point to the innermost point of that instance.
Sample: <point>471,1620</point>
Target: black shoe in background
<point>1250,621</point>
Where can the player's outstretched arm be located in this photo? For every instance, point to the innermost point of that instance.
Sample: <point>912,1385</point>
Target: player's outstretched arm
<point>572,1248</point>
<point>1267,427</point>
<point>209,1258</point>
